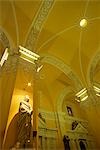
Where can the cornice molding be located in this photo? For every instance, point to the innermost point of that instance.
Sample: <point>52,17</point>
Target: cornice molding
<point>94,61</point>
<point>50,116</point>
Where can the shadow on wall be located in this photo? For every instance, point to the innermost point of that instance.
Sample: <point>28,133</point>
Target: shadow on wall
<point>1,137</point>
<point>11,136</point>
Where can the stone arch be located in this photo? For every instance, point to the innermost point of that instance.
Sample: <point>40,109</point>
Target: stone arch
<point>65,91</point>
<point>58,63</point>
<point>6,39</point>
<point>92,66</point>
<point>94,61</point>
<point>37,24</point>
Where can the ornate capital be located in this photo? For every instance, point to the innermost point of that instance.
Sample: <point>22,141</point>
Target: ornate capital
<point>10,65</point>
<point>4,39</point>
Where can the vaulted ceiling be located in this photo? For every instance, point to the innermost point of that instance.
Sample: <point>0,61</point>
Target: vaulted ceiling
<point>52,29</point>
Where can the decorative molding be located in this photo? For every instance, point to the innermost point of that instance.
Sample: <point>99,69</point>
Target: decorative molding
<point>42,124</point>
<point>48,132</point>
<point>92,100</point>
<point>26,66</point>
<point>13,62</point>
<point>78,135</point>
<point>10,65</point>
<point>79,120</point>
<point>37,24</point>
<point>45,131</point>
<point>81,131</point>
<point>94,61</point>
<point>47,114</point>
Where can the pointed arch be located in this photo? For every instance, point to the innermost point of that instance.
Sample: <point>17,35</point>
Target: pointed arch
<point>65,91</point>
<point>94,61</point>
<point>6,39</point>
<point>67,70</point>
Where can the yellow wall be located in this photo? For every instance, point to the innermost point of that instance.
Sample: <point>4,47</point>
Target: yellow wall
<point>48,97</point>
<point>45,102</point>
<point>7,82</point>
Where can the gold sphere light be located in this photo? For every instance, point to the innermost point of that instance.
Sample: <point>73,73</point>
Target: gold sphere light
<point>29,84</point>
<point>83,23</point>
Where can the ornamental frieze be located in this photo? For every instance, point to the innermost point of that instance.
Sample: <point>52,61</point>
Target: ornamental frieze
<point>36,27</point>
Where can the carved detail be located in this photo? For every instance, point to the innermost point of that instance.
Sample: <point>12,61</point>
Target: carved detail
<point>4,39</point>
<point>10,65</point>
<point>31,40</point>
<point>26,66</point>
<point>94,63</point>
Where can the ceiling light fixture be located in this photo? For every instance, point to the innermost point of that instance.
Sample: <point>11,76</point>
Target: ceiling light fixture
<point>97,94</point>
<point>84,98</point>
<point>77,100</point>
<point>81,95</point>
<point>83,23</point>
<point>81,92</point>
<point>97,90</point>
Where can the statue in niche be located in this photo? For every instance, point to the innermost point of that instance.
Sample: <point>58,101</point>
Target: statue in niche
<point>69,110</point>
<point>66,142</point>
<point>24,123</point>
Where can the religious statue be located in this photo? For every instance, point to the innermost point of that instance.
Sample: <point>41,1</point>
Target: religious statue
<point>66,142</point>
<point>24,123</point>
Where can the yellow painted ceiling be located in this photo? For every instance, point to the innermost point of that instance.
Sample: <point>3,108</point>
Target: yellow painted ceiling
<point>60,36</point>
